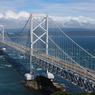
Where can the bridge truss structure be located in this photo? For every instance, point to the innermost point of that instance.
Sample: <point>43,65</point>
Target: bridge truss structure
<point>61,55</point>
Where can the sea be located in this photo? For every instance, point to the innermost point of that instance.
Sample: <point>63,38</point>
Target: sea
<point>13,66</point>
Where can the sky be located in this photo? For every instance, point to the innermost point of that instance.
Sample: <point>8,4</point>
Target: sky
<point>61,10</point>
<point>52,7</point>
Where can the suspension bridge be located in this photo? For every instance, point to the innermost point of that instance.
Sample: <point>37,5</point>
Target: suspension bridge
<point>44,43</point>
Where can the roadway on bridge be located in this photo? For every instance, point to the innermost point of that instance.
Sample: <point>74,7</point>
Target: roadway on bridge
<point>77,70</point>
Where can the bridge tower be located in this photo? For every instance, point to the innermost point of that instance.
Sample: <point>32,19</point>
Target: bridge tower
<point>32,29</point>
<point>2,35</point>
<point>2,32</point>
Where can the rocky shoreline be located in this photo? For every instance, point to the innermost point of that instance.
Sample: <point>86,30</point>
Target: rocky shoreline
<point>43,84</point>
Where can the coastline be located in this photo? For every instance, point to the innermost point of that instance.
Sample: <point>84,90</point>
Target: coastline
<point>49,87</point>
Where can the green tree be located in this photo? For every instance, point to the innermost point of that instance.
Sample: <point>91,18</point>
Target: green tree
<point>93,93</point>
<point>61,93</point>
<point>84,93</point>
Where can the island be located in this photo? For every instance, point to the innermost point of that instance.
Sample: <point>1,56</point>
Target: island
<point>43,84</point>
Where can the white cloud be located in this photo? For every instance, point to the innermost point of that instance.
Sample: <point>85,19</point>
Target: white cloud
<point>18,20</point>
<point>10,14</point>
<point>85,8</point>
<point>80,19</point>
<point>1,15</point>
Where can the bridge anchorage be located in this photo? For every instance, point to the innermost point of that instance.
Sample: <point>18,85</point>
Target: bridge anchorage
<point>64,57</point>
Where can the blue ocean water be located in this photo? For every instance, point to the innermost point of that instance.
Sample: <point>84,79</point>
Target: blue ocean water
<point>13,67</point>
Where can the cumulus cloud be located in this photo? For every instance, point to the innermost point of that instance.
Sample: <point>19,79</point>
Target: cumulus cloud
<point>10,14</point>
<point>80,19</point>
<point>1,15</point>
<point>18,20</point>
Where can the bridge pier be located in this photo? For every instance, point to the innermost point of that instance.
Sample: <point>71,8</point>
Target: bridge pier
<point>2,36</point>
<point>3,49</point>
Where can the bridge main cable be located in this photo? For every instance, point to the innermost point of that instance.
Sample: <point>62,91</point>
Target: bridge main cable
<point>67,54</point>
<point>22,29</point>
<point>72,40</point>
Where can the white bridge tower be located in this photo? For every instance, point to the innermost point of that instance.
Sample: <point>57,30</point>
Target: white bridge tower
<point>32,32</point>
<point>2,32</point>
<point>2,35</point>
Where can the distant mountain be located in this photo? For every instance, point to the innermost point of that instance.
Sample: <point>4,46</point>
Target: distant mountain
<point>12,20</point>
<point>72,24</point>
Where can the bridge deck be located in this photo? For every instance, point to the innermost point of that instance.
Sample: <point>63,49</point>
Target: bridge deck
<point>59,62</point>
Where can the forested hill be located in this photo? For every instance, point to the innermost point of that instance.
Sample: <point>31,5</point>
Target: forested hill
<point>81,33</point>
<point>54,32</point>
<point>74,33</point>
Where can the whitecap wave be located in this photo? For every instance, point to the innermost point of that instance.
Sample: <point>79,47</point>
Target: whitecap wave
<point>8,66</point>
<point>39,69</point>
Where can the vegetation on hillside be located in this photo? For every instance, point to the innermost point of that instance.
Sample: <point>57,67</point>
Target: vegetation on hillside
<point>61,93</point>
<point>42,83</point>
<point>66,93</point>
